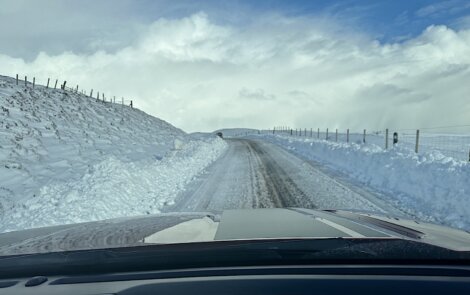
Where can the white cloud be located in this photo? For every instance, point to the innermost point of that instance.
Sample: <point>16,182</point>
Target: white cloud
<point>278,70</point>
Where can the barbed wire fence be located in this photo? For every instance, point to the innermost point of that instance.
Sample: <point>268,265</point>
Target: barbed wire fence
<point>65,86</point>
<point>450,141</point>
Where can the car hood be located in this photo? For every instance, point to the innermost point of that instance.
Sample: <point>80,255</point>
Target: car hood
<point>248,224</point>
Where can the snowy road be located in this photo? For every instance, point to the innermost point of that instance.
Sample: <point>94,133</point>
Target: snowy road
<point>258,174</point>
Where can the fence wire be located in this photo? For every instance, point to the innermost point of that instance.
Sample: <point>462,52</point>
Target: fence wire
<point>451,141</point>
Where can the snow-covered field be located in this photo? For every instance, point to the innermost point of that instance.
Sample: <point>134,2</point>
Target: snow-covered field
<point>428,185</point>
<point>66,158</point>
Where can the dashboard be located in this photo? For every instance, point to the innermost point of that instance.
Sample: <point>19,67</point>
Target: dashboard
<point>334,279</point>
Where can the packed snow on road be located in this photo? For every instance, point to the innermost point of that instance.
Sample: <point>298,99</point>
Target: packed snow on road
<point>68,158</point>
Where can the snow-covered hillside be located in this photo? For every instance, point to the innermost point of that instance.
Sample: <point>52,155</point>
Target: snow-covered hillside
<point>65,157</point>
<point>429,185</point>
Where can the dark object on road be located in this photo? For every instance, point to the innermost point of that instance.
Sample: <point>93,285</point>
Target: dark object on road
<point>219,134</point>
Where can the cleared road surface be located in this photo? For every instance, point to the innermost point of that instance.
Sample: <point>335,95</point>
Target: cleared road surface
<point>258,174</point>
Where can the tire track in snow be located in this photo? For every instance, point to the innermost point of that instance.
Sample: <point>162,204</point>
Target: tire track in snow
<point>258,174</point>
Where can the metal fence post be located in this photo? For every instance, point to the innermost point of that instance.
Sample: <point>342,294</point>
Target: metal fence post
<point>48,79</point>
<point>417,141</point>
<point>347,136</point>
<point>386,138</point>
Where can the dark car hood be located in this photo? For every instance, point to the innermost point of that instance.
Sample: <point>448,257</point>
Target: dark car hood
<point>228,225</point>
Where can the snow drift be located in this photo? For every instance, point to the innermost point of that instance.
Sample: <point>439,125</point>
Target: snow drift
<point>429,186</point>
<point>66,158</point>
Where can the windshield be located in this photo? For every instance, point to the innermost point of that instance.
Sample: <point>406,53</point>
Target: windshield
<point>141,123</point>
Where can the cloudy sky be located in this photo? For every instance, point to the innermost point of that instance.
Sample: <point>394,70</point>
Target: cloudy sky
<point>204,65</point>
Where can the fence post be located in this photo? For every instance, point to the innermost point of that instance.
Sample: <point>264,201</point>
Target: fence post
<point>386,139</point>
<point>347,135</point>
<point>55,86</point>
<point>114,99</point>
<point>122,102</point>
<point>25,80</point>
<point>417,141</point>
<point>34,81</point>
<point>274,128</point>
<point>311,132</point>
<point>326,134</point>
<point>291,131</point>
<point>91,93</point>
<point>132,105</point>
<point>305,132</point>
<point>364,137</point>
<point>76,91</point>
<point>63,85</point>
<point>318,133</point>
<point>98,96</point>
<point>102,96</point>
<point>48,79</point>
<point>16,79</point>
<point>336,135</point>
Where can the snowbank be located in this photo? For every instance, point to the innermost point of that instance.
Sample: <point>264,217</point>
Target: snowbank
<point>66,158</point>
<point>429,186</point>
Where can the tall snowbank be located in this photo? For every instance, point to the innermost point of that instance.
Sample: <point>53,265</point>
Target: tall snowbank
<point>429,186</point>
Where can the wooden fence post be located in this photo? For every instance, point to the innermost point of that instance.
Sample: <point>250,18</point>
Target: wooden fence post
<point>102,96</point>
<point>311,132</point>
<point>336,135</point>
<point>417,141</point>
<point>25,81</point>
<point>16,79</point>
<point>318,133</point>
<point>364,137</point>
<point>55,86</point>
<point>326,137</point>
<point>76,90</point>
<point>34,81</point>
<point>386,139</point>
<point>347,135</point>
<point>91,93</point>
<point>48,79</point>
<point>98,96</point>
<point>132,106</point>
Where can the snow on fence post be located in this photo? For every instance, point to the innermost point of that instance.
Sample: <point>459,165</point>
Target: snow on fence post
<point>326,137</point>
<point>336,135</point>
<point>364,137</point>
<point>16,79</point>
<point>386,139</point>
<point>25,81</point>
<point>34,81</point>
<point>48,79</point>
<point>417,141</point>
<point>347,136</point>
<point>55,86</point>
